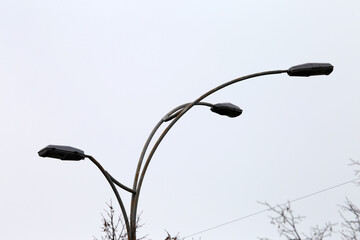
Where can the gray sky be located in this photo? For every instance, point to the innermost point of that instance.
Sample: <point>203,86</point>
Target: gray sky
<point>98,75</point>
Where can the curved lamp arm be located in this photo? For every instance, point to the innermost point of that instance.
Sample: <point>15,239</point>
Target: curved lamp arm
<point>134,203</point>
<point>190,105</point>
<point>110,179</point>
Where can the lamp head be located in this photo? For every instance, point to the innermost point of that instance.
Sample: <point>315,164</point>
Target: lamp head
<point>227,109</point>
<point>62,152</point>
<point>310,69</point>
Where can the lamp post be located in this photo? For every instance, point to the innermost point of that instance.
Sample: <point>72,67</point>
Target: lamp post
<point>67,153</point>
<point>227,109</point>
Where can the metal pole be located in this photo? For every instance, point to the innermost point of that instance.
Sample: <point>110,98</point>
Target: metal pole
<point>170,115</point>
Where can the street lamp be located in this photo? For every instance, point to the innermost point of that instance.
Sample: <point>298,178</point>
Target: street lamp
<point>310,69</point>
<point>67,153</point>
<point>227,109</point>
<point>62,152</point>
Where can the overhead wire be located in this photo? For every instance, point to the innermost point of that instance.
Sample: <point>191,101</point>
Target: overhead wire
<point>267,209</point>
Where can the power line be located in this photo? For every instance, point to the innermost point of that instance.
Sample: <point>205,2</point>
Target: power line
<point>265,210</point>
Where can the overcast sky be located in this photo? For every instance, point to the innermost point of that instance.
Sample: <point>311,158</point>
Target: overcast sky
<point>98,75</point>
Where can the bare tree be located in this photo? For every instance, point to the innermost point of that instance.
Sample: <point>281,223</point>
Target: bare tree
<point>169,237</point>
<point>350,214</point>
<point>113,227</point>
<point>287,223</point>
